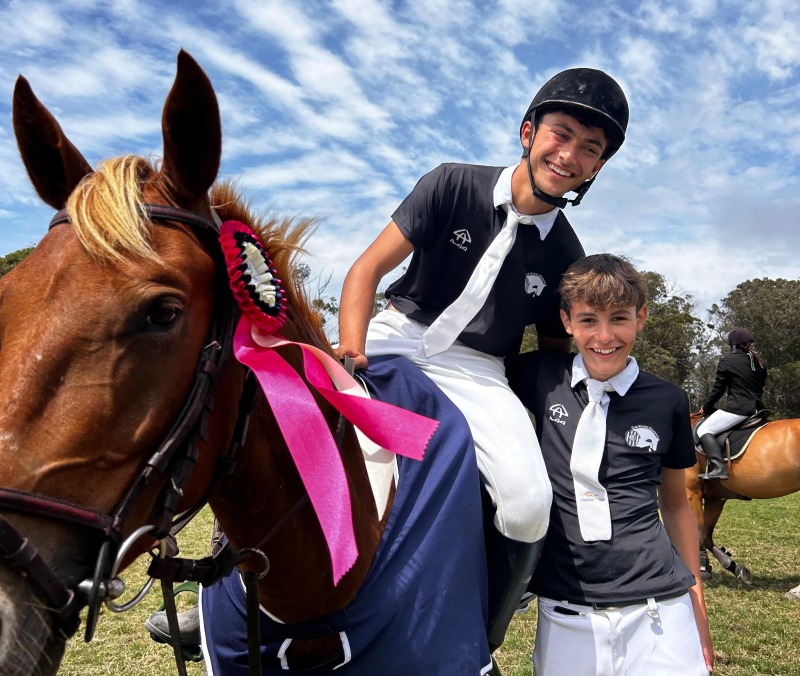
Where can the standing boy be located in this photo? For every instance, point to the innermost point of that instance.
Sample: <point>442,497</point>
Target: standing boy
<point>488,247</point>
<point>619,591</point>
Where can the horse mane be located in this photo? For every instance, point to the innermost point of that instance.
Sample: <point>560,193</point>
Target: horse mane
<point>283,239</point>
<point>107,210</point>
<point>108,214</point>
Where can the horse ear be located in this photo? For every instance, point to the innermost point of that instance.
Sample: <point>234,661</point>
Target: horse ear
<point>192,132</point>
<point>54,165</point>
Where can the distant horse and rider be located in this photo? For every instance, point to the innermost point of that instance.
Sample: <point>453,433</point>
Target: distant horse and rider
<point>763,461</point>
<point>740,456</point>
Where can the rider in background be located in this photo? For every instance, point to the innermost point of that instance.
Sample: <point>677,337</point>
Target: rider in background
<point>741,375</point>
<point>574,124</point>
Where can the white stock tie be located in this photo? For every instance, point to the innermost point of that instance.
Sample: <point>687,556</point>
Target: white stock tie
<point>594,515</point>
<point>446,328</point>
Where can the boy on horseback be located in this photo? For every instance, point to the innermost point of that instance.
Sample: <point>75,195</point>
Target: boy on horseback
<point>741,375</point>
<point>488,246</point>
<point>619,591</point>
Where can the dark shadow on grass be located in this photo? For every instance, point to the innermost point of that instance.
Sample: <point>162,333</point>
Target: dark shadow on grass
<point>776,583</point>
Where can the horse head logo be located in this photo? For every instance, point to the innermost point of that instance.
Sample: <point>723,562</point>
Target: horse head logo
<point>534,284</point>
<point>641,436</point>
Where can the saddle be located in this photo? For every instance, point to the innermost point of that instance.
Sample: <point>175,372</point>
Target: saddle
<point>734,441</point>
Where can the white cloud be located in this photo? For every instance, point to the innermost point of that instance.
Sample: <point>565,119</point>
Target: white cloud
<point>380,44</point>
<point>110,75</point>
<point>639,59</point>
<point>775,38</point>
<point>217,53</point>
<point>31,24</point>
<point>319,167</point>
<point>702,9</point>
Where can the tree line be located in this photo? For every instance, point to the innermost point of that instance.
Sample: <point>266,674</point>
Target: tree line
<point>684,349</point>
<point>675,344</point>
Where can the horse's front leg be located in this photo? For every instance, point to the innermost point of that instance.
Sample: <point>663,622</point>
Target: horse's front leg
<point>713,510</point>
<point>694,493</point>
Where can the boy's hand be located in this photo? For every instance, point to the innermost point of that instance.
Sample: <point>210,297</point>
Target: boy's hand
<point>360,361</point>
<point>708,647</point>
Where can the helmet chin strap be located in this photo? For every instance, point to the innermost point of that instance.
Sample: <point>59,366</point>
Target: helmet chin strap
<point>559,202</point>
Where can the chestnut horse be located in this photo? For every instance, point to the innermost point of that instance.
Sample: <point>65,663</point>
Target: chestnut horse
<point>769,468</point>
<point>121,406</point>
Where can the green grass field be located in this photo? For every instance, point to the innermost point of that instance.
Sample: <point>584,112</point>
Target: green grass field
<point>756,630</point>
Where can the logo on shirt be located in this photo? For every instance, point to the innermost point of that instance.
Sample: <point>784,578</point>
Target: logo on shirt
<point>558,413</point>
<point>461,238</point>
<point>641,436</point>
<point>534,284</point>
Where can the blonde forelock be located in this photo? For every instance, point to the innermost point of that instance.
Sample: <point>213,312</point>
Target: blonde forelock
<point>107,211</point>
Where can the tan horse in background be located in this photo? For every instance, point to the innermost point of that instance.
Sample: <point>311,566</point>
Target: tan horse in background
<point>769,468</point>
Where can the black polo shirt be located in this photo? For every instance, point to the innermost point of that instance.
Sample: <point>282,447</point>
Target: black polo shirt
<point>647,429</point>
<point>450,219</point>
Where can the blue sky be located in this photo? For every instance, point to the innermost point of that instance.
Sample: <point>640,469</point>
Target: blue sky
<point>336,108</point>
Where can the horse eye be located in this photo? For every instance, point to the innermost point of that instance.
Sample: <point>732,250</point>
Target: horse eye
<point>163,313</point>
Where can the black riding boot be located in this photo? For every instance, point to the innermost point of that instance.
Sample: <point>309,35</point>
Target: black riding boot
<point>510,565</point>
<point>509,575</point>
<point>188,620</point>
<point>715,468</point>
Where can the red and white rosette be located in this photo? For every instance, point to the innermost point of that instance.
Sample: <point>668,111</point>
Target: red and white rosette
<point>253,279</point>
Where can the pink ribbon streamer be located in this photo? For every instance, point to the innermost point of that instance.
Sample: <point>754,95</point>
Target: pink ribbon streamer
<point>308,437</point>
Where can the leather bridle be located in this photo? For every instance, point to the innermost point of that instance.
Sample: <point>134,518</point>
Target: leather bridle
<point>174,459</point>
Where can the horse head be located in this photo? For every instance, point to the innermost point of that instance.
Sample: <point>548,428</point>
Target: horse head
<point>122,405</point>
<point>101,329</point>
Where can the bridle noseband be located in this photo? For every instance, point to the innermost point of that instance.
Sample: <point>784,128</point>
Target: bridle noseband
<point>174,458</point>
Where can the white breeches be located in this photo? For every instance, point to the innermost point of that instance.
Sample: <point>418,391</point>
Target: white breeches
<point>719,421</point>
<point>660,639</point>
<point>507,449</point>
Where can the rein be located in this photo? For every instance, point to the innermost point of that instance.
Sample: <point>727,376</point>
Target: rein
<point>208,570</point>
<point>175,458</point>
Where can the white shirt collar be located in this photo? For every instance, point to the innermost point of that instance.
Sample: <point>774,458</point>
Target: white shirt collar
<point>503,198</point>
<point>621,382</point>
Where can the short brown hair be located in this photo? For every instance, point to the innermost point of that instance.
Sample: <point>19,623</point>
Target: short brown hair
<point>602,281</point>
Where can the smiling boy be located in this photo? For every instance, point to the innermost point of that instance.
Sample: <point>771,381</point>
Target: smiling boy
<point>619,590</point>
<point>488,246</point>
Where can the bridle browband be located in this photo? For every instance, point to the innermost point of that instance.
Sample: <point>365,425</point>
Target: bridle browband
<point>174,458</point>
<point>160,212</point>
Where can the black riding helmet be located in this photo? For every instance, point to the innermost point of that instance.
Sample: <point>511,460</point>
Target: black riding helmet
<point>595,95</point>
<point>739,336</point>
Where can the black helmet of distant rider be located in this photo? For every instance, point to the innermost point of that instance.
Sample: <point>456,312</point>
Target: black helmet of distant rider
<point>590,95</point>
<point>740,336</point>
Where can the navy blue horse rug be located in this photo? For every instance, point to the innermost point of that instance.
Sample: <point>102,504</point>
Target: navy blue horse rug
<point>422,608</point>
